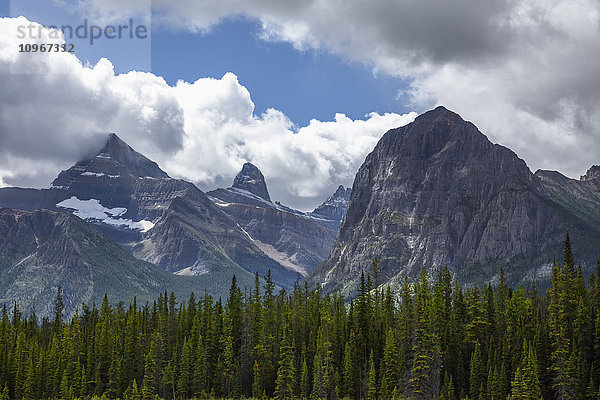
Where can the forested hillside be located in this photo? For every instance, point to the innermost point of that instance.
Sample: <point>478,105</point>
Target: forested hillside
<point>435,341</point>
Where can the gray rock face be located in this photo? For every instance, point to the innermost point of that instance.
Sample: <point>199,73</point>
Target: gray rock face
<point>115,160</point>
<point>109,176</point>
<point>168,222</point>
<point>41,250</point>
<point>580,197</point>
<point>438,193</point>
<point>593,174</point>
<point>252,180</point>
<point>249,187</point>
<point>334,209</point>
<point>296,240</point>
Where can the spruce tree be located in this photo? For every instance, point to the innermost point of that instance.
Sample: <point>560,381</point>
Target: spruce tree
<point>5,394</point>
<point>30,389</point>
<point>257,389</point>
<point>526,384</point>
<point>372,382</point>
<point>447,392</point>
<point>477,375</point>
<point>561,311</point>
<point>284,384</point>
<point>350,367</point>
<point>59,307</point>
<point>65,389</point>
<point>390,375</point>
<point>150,382</point>
<point>304,380</point>
<point>424,377</point>
<point>323,386</point>
<point>185,372</point>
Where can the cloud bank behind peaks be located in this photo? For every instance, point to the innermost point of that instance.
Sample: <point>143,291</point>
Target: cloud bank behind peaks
<point>202,131</point>
<point>524,71</point>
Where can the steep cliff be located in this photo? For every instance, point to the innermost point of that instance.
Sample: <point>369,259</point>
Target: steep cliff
<point>296,240</point>
<point>438,193</point>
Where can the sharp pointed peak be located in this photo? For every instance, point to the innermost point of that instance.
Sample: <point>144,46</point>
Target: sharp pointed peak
<point>251,179</point>
<point>592,173</point>
<point>115,160</point>
<point>248,166</point>
<point>113,142</point>
<point>341,191</point>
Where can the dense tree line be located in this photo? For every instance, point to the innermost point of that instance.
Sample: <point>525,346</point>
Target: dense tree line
<point>435,340</point>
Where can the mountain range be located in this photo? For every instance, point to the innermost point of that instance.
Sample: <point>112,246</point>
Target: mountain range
<point>434,193</point>
<point>127,200</point>
<point>41,250</point>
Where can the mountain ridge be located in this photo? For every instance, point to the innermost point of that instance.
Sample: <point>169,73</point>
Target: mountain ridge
<point>295,239</point>
<point>173,224</point>
<point>44,249</point>
<point>436,193</point>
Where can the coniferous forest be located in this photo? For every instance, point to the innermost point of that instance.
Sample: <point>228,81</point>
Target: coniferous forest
<point>434,340</point>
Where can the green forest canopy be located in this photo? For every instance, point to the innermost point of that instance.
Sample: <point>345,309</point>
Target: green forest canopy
<point>434,341</point>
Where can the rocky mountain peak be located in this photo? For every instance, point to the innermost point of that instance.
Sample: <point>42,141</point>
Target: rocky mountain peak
<point>338,201</point>
<point>435,193</point>
<point>334,208</point>
<point>114,145</point>
<point>115,160</point>
<point>252,180</point>
<point>340,192</point>
<point>592,173</point>
<point>116,151</point>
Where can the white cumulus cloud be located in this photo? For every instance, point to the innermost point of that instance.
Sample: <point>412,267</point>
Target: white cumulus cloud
<point>202,131</point>
<point>525,71</point>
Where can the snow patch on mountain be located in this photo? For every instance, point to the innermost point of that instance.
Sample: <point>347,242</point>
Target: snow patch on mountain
<point>185,272</point>
<point>99,174</point>
<point>280,257</point>
<point>92,210</point>
<point>251,195</point>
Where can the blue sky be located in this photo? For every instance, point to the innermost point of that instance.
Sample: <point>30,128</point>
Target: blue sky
<point>302,84</point>
<point>126,54</point>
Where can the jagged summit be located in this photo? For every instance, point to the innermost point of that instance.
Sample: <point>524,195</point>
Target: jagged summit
<point>115,160</point>
<point>297,240</point>
<point>334,208</point>
<point>592,173</point>
<point>341,191</point>
<point>252,180</point>
<point>114,146</point>
<point>130,161</point>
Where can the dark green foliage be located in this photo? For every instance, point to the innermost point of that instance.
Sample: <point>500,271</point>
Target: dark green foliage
<point>390,377</point>
<point>284,389</point>
<point>59,307</point>
<point>372,385</point>
<point>424,378</point>
<point>477,375</point>
<point>432,341</point>
<point>526,384</point>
